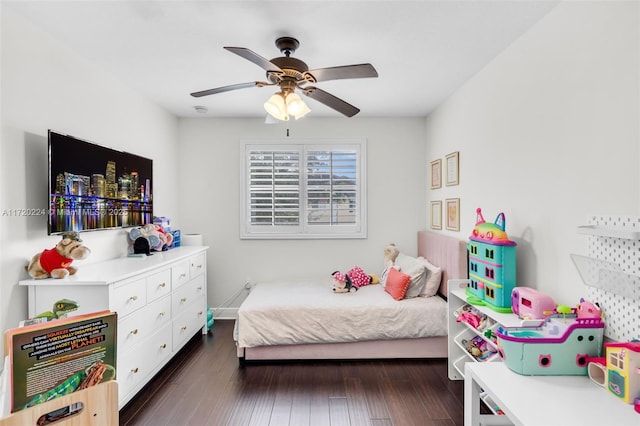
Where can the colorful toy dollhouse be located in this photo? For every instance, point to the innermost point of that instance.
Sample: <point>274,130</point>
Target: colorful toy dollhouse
<point>623,370</point>
<point>492,264</point>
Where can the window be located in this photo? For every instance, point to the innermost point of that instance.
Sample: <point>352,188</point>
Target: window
<point>303,189</point>
<point>488,253</point>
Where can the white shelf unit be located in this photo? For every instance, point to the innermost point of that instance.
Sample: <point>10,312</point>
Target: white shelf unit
<point>459,331</point>
<point>603,231</point>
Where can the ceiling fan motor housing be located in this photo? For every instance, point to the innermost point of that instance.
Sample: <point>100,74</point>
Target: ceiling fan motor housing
<point>292,67</point>
<point>287,45</point>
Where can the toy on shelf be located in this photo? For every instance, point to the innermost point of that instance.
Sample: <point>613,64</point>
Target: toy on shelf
<point>478,348</point>
<point>623,370</point>
<point>492,264</point>
<point>588,310</point>
<point>530,304</point>
<point>562,344</point>
<point>474,318</point>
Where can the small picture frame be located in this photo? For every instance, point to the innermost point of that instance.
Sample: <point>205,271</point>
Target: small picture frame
<point>436,214</point>
<point>453,168</point>
<point>452,212</point>
<point>436,174</point>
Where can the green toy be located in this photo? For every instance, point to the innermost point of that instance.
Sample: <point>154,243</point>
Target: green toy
<point>60,309</point>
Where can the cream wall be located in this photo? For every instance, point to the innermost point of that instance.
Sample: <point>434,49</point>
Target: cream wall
<point>210,205</point>
<point>45,85</point>
<point>548,133</point>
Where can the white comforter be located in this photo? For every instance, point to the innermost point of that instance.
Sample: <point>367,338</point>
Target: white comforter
<point>307,312</point>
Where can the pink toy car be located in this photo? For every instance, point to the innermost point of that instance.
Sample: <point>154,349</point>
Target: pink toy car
<point>530,304</point>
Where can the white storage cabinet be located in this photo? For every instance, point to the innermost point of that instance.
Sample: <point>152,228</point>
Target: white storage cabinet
<point>161,301</point>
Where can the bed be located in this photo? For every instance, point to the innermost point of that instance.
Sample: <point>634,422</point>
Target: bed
<point>276,323</point>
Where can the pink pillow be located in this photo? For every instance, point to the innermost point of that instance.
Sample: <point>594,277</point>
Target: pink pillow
<point>397,284</point>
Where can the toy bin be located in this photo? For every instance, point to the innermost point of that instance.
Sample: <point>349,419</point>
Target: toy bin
<point>561,345</point>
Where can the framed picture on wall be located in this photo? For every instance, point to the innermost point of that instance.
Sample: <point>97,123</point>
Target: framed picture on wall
<point>436,174</point>
<point>452,212</point>
<point>453,172</point>
<point>436,214</point>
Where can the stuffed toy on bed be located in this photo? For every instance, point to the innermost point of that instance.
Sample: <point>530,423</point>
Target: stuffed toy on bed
<point>354,279</point>
<point>391,253</point>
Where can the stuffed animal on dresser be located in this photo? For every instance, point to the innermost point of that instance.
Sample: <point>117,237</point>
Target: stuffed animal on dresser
<point>56,262</point>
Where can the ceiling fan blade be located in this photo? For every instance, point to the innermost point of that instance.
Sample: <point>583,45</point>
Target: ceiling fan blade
<point>255,58</point>
<point>331,101</point>
<point>227,88</point>
<point>346,71</point>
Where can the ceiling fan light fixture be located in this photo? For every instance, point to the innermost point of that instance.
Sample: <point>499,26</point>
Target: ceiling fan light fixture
<point>276,107</point>
<point>296,106</point>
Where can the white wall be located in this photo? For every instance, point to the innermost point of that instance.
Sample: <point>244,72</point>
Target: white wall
<point>210,204</point>
<point>548,133</point>
<point>45,85</point>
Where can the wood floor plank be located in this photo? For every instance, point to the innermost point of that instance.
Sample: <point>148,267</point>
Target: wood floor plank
<point>339,411</point>
<point>204,385</point>
<point>356,397</point>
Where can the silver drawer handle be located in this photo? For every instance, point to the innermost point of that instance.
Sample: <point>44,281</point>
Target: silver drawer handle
<point>184,299</point>
<point>134,331</point>
<point>163,346</point>
<point>184,327</point>
<point>199,288</point>
<point>134,370</point>
<point>161,314</point>
<point>200,313</point>
<point>162,285</point>
<point>183,275</point>
<point>133,298</point>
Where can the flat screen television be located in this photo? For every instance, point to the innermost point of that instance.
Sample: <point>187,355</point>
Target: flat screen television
<point>92,187</point>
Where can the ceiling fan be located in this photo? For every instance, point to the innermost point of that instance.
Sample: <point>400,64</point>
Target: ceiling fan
<point>289,74</point>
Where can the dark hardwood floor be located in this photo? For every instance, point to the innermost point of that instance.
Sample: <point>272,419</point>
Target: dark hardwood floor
<point>204,385</point>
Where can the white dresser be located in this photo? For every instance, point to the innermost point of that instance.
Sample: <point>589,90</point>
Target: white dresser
<point>161,301</point>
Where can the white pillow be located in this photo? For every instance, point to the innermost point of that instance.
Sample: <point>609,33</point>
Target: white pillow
<point>410,266</point>
<point>434,277</point>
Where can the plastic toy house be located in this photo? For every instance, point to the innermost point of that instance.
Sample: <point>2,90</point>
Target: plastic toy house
<point>492,264</point>
<point>623,370</point>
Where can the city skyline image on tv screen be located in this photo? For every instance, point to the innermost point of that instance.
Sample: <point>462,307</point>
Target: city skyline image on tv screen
<point>93,187</point>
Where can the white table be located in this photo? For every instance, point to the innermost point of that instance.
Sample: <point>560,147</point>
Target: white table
<point>541,400</point>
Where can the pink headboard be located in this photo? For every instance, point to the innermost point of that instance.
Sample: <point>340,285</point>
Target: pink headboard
<point>446,252</point>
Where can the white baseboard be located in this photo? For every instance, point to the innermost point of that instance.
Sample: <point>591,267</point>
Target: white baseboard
<point>225,313</point>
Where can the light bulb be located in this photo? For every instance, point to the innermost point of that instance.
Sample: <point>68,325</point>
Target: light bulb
<point>276,107</point>
<point>296,106</point>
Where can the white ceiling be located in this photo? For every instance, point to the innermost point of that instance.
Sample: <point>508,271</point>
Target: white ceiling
<point>422,50</point>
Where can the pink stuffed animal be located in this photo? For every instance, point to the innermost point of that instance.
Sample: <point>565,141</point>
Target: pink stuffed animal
<point>588,310</point>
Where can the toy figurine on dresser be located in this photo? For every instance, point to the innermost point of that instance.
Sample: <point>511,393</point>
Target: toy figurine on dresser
<point>492,264</point>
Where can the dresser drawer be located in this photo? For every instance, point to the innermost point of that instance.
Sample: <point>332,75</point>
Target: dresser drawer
<point>140,361</point>
<point>187,294</point>
<point>140,325</point>
<point>129,297</point>
<point>187,324</point>
<point>179,274</point>
<point>197,265</point>
<point>158,285</point>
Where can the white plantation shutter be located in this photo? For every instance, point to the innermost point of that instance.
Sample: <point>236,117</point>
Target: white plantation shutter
<point>274,188</point>
<point>303,190</point>
<point>332,191</point>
